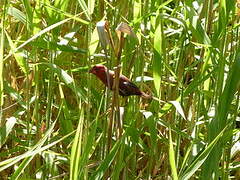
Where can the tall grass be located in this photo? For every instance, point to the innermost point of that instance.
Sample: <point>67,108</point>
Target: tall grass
<point>60,122</point>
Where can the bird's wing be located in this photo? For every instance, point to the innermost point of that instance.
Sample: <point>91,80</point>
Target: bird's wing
<point>130,84</point>
<point>128,88</point>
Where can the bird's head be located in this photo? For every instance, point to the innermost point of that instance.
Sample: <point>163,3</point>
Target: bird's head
<point>98,69</point>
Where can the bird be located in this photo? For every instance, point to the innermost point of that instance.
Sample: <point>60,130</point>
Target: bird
<point>126,87</point>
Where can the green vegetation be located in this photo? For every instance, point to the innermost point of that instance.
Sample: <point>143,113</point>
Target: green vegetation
<point>60,122</point>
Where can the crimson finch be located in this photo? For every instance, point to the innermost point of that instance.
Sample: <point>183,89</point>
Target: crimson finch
<point>126,87</point>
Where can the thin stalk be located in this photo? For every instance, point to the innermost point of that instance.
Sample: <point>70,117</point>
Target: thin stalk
<point>1,61</point>
<point>116,85</point>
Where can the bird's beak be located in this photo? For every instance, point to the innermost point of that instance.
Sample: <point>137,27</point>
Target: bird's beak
<point>90,71</point>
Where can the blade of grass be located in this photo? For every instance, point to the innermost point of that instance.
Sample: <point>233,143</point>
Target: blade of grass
<point>90,142</point>
<point>77,149</point>
<point>221,119</point>
<point>98,174</point>
<point>6,129</point>
<point>172,157</point>
<point>200,159</point>
<point>1,59</point>
<point>33,151</point>
<point>40,33</point>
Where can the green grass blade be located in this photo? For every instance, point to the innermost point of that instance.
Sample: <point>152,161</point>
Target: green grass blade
<point>32,152</point>
<point>200,159</point>
<point>107,161</point>
<point>76,149</point>
<point>221,119</point>
<point>40,33</point>
<point>16,13</point>
<point>21,168</point>
<point>19,56</point>
<point>6,129</point>
<point>90,143</point>
<point>67,79</point>
<point>157,62</point>
<point>85,8</point>
<point>172,157</point>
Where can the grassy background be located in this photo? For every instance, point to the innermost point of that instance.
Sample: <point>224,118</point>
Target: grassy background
<point>58,121</point>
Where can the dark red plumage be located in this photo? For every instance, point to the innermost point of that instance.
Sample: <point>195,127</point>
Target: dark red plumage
<point>126,87</point>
